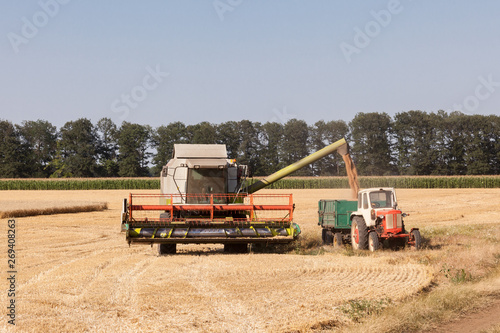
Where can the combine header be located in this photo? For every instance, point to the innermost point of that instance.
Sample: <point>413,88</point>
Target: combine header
<point>204,199</point>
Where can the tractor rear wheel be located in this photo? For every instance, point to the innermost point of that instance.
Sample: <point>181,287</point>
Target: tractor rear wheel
<point>373,242</point>
<point>167,249</point>
<point>359,233</point>
<point>337,240</point>
<point>416,239</point>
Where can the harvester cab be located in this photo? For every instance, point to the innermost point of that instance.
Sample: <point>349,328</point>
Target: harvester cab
<point>204,199</point>
<point>203,170</point>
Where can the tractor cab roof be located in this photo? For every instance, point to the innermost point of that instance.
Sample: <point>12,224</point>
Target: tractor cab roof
<point>375,189</point>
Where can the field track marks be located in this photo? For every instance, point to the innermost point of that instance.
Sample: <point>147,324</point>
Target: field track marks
<point>99,279</point>
<point>95,240</point>
<point>46,273</point>
<point>125,291</point>
<point>224,305</point>
<point>60,266</point>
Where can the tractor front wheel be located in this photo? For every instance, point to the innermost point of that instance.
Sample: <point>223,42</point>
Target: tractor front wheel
<point>416,240</point>
<point>359,233</point>
<point>373,242</point>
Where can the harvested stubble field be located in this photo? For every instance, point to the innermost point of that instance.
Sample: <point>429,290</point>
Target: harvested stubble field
<point>77,274</point>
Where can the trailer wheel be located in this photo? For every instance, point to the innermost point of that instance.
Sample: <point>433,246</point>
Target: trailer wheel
<point>373,242</point>
<point>236,248</point>
<point>328,237</point>
<point>167,249</point>
<point>359,233</point>
<point>415,239</point>
<point>323,236</point>
<point>337,240</point>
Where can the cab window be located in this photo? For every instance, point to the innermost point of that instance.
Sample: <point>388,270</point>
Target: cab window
<point>381,199</point>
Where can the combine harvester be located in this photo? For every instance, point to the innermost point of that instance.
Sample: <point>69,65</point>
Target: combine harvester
<point>204,199</point>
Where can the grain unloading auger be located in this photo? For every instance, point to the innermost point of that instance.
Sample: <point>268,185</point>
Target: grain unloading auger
<point>204,199</point>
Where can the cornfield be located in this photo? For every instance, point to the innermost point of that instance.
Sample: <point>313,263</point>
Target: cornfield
<point>390,181</point>
<point>81,184</point>
<point>286,183</point>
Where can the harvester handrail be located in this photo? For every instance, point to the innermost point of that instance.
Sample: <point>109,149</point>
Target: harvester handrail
<point>213,207</point>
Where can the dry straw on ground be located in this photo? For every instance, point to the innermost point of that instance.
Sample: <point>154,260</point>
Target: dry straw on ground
<point>77,274</point>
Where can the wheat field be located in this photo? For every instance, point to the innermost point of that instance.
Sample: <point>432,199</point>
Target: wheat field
<point>77,274</point>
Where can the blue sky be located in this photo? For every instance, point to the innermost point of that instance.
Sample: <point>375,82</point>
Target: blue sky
<point>155,62</point>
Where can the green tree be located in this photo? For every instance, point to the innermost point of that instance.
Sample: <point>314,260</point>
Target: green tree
<point>228,134</point>
<point>322,135</point>
<point>295,144</point>
<point>271,146</point>
<point>202,133</point>
<point>78,149</point>
<point>249,148</point>
<point>12,154</point>
<point>494,137</point>
<point>133,142</point>
<point>107,148</point>
<point>40,141</point>
<point>479,148</point>
<point>163,140</point>
<point>455,137</point>
<point>416,141</point>
<point>439,145</point>
<point>371,136</point>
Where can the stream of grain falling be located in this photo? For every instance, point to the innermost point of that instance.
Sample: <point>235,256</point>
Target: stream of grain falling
<point>352,174</point>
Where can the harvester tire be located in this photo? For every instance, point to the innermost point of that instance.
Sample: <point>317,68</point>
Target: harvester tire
<point>416,239</point>
<point>373,242</point>
<point>337,240</point>
<point>359,233</point>
<point>236,248</point>
<point>167,249</point>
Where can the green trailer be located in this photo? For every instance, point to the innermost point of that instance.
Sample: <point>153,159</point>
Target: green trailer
<point>335,220</point>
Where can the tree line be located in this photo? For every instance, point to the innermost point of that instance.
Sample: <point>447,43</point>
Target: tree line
<point>410,143</point>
